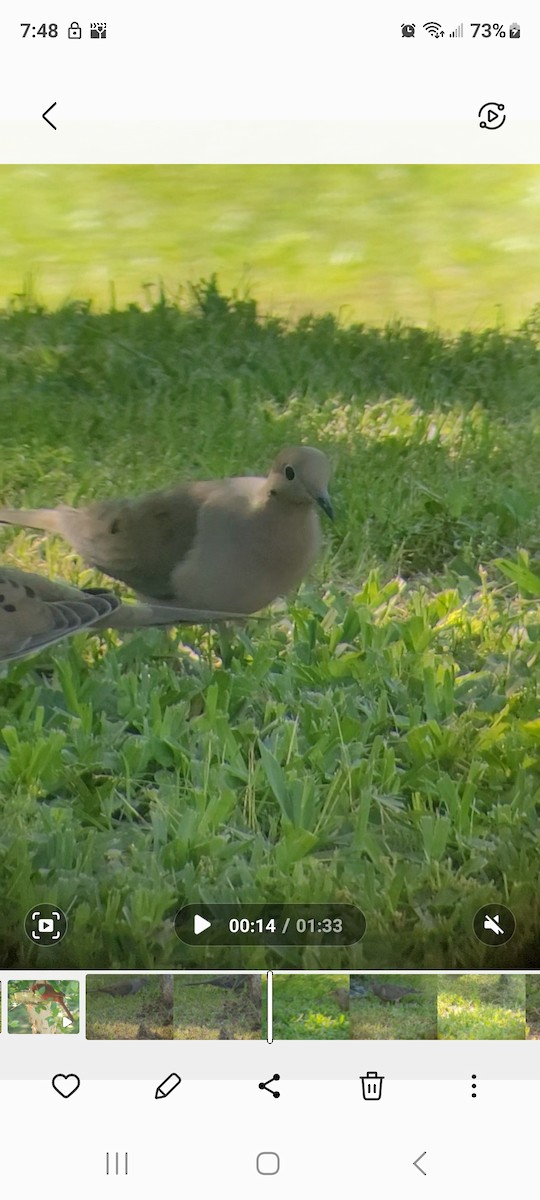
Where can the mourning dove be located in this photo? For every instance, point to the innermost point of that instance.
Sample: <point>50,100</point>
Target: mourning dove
<point>234,983</point>
<point>35,611</point>
<point>341,996</point>
<point>392,993</point>
<point>228,544</point>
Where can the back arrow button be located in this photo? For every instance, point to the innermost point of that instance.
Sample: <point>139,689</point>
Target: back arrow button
<point>417,1161</point>
<point>45,117</point>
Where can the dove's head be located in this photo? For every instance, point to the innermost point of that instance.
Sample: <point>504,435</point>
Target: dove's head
<point>300,475</point>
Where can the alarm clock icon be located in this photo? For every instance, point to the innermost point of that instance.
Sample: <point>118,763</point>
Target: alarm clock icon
<point>407,30</point>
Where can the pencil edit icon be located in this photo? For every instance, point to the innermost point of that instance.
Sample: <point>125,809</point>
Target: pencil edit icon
<point>167,1086</point>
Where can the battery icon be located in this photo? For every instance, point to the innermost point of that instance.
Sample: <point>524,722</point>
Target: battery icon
<point>515,30</point>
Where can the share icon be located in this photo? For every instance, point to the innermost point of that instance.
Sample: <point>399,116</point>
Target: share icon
<point>264,1087</point>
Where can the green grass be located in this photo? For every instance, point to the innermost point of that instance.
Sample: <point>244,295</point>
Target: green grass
<point>145,1015</point>
<point>396,696</point>
<point>481,1007</point>
<point>533,1007</point>
<point>304,1007</point>
<point>207,1012</point>
<point>444,245</point>
<point>413,1018</point>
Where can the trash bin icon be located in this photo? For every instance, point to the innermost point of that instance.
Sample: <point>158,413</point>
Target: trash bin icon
<point>372,1085</point>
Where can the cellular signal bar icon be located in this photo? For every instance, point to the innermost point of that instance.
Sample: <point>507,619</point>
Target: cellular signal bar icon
<point>458,31</point>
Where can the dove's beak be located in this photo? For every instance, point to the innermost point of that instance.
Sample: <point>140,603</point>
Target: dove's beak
<point>325,503</point>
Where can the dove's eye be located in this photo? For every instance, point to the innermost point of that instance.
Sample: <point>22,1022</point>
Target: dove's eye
<point>289,473</point>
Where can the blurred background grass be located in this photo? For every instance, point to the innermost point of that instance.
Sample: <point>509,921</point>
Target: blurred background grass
<point>447,245</point>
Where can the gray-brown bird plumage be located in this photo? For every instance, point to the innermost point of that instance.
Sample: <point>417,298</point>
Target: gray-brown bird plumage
<point>35,612</point>
<point>124,987</point>
<point>341,996</point>
<point>230,545</point>
<point>392,993</point>
<point>233,983</point>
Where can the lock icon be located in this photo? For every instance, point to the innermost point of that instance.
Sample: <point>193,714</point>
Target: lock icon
<point>74,31</point>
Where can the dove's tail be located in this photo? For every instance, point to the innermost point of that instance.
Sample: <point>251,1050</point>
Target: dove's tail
<point>35,518</point>
<point>138,616</point>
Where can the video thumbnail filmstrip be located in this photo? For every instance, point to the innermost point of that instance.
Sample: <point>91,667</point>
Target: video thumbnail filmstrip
<point>234,1007</point>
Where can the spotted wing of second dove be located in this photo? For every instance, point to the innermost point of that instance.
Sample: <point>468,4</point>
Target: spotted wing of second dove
<point>228,545</point>
<point>35,612</point>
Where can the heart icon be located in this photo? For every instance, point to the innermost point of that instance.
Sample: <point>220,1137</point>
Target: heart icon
<point>66,1085</point>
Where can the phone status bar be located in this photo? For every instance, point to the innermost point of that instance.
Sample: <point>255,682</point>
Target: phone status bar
<point>463,29</point>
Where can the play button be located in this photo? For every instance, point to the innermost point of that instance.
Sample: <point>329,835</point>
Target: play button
<point>492,116</point>
<point>200,924</point>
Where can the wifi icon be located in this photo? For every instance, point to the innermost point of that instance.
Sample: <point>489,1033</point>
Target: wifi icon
<point>434,29</point>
